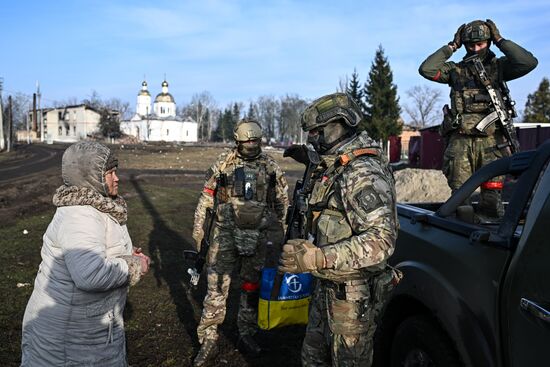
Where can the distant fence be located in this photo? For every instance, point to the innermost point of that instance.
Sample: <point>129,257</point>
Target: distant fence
<point>426,150</point>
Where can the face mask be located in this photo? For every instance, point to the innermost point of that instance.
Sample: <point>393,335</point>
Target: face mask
<point>481,53</point>
<point>250,149</point>
<point>318,142</point>
<point>329,136</point>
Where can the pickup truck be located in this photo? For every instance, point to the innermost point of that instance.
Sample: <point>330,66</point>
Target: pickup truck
<point>474,294</point>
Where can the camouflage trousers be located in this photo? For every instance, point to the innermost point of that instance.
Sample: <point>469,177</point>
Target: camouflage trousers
<point>223,258</point>
<point>341,325</point>
<point>464,155</point>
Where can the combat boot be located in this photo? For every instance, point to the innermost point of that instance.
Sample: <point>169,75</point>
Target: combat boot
<point>248,345</point>
<point>208,351</point>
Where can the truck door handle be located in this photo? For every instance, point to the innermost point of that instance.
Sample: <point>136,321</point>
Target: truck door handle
<point>535,310</point>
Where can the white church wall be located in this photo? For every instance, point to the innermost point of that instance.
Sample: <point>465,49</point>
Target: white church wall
<point>159,125</point>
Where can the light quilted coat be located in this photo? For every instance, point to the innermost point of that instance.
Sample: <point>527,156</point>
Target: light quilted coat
<point>74,316</point>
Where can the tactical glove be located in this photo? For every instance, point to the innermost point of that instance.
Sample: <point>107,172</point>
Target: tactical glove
<point>298,153</point>
<point>300,256</point>
<point>456,43</point>
<point>495,34</point>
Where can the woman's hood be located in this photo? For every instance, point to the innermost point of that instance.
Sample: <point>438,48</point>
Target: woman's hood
<point>84,165</point>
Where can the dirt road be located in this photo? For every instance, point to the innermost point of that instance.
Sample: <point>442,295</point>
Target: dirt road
<point>30,160</point>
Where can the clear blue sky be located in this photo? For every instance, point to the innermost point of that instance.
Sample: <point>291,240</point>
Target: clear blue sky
<point>240,50</point>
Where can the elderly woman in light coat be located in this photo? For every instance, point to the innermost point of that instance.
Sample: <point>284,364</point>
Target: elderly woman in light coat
<point>74,315</point>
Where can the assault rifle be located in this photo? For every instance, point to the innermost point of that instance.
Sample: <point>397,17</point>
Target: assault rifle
<point>296,213</point>
<point>503,106</point>
<point>200,257</point>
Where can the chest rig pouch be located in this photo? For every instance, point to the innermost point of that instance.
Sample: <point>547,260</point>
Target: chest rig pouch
<point>328,221</point>
<point>329,224</point>
<point>248,199</point>
<point>469,97</point>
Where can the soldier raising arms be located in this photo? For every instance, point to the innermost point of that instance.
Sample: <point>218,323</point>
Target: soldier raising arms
<point>473,126</point>
<point>251,192</point>
<point>352,226</point>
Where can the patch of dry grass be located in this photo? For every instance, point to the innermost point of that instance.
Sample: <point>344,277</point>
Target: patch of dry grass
<point>185,157</point>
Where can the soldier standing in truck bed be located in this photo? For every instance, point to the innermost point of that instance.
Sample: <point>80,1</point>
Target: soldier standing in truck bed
<point>468,148</point>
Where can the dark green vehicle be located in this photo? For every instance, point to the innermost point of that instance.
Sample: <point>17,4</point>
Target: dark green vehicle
<point>474,294</point>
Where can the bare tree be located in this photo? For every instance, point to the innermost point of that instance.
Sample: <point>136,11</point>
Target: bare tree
<point>269,111</point>
<point>21,104</point>
<point>94,100</point>
<point>202,109</point>
<point>424,110</point>
<point>343,83</point>
<point>117,104</point>
<point>289,122</point>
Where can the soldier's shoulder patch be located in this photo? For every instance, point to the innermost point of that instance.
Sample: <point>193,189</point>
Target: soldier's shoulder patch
<point>368,200</point>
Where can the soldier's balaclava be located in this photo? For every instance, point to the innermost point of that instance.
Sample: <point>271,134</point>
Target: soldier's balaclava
<point>330,135</point>
<point>249,149</point>
<point>84,165</point>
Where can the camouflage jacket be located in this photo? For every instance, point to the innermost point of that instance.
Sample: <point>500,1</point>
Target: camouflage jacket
<point>270,187</point>
<point>469,97</point>
<point>351,210</point>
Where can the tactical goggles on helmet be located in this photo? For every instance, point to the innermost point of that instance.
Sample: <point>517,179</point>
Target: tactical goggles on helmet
<point>330,108</point>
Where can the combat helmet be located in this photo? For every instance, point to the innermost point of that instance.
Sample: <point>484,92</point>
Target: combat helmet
<point>329,108</point>
<point>476,31</point>
<point>248,136</point>
<point>247,129</point>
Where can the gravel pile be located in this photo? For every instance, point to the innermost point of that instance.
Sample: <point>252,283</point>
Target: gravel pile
<point>415,185</point>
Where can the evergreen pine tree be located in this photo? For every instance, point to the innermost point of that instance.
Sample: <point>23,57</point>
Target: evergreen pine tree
<point>218,133</point>
<point>109,125</point>
<point>537,108</point>
<point>252,111</point>
<point>233,118</point>
<point>382,109</point>
<point>355,91</point>
<point>236,112</point>
<point>224,131</point>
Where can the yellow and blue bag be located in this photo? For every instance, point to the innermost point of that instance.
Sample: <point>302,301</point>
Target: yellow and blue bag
<point>284,300</point>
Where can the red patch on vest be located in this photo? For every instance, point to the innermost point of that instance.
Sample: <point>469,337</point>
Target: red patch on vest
<point>250,287</point>
<point>492,185</point>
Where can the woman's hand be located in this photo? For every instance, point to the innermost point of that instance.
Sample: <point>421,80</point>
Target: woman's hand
<point>145,260</point>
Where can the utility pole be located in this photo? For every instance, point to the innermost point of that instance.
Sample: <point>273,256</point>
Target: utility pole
<point>40,115</point>
<point>2,142</point>
<point>10,123</point>
<point>34,114</point>
<point>28,128</point>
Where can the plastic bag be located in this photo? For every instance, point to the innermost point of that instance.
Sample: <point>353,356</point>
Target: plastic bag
<point>287,306</point>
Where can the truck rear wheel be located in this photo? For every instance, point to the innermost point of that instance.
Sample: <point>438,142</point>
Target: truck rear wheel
<point>420,342</point>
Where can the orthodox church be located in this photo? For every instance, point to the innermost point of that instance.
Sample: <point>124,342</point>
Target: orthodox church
<point>160,123</point>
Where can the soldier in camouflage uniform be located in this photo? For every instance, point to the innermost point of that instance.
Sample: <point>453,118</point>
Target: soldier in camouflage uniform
<point>468,149</point>
<point>352,228</point>
<point>251,192</point>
